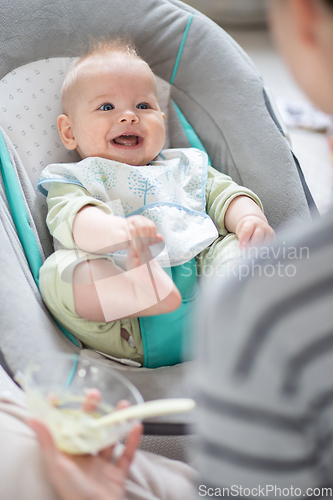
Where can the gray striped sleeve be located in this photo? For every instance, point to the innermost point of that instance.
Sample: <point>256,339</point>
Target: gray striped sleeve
<point>264,377</point>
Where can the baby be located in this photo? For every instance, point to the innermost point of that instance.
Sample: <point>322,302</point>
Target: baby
<point>125,304</point>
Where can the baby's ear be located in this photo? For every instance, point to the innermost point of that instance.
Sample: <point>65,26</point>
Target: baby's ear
<point>66,132</point>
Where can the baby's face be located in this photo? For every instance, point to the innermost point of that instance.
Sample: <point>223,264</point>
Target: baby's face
<point>115,112</point>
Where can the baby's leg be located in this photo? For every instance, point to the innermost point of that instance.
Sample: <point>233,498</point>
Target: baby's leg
<point>56,286</point>
<point>104,292</point>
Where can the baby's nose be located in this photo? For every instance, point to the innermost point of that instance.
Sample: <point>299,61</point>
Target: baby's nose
<point>128,117</point>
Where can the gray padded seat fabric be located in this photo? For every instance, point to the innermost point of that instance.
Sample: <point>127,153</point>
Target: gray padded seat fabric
<point>26,327</point>
<point>217,88</point>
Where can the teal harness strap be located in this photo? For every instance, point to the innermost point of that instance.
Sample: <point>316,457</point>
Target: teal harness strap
<point>165,338</point>
<point>21,220</point>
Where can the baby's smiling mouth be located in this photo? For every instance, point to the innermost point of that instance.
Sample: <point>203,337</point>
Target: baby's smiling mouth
<point>127,140</point>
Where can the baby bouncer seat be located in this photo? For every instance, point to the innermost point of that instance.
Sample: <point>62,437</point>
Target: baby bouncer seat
<point>214,99</point>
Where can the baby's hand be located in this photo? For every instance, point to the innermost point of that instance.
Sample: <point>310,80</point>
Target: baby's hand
<point>253,231</point>
<point>144,233</point>
<point>142,227</point>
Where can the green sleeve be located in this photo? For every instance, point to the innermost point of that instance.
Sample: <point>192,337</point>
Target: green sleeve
<point>64,201</point>
<point>220,191</point>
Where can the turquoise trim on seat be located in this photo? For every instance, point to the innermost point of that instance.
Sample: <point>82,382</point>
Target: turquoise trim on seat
<point>190,132</point>
<point>19,211</point>
<point>20,216</point>
<point>180,50</point>
<point>188,129</point>
<point>68,334</point>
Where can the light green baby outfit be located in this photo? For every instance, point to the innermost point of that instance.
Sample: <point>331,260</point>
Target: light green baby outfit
<point>189,213</point>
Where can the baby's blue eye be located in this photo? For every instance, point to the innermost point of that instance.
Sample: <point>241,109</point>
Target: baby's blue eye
<point>107,107</point>
<point>142,105</point>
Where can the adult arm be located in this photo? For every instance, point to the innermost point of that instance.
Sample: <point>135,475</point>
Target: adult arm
<point>265,373</point>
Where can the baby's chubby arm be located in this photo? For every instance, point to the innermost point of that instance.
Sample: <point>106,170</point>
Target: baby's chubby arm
<point>244,218</point>
<point>96,231</point>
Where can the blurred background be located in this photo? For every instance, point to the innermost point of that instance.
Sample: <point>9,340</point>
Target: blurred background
<point>232,12</point>
<point>309,130</point>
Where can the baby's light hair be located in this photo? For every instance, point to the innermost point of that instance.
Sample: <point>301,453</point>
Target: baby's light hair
<point>103,46</point>
<point>123,45</point>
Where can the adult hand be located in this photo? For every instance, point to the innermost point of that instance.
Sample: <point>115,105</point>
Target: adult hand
<point>86,477</point>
